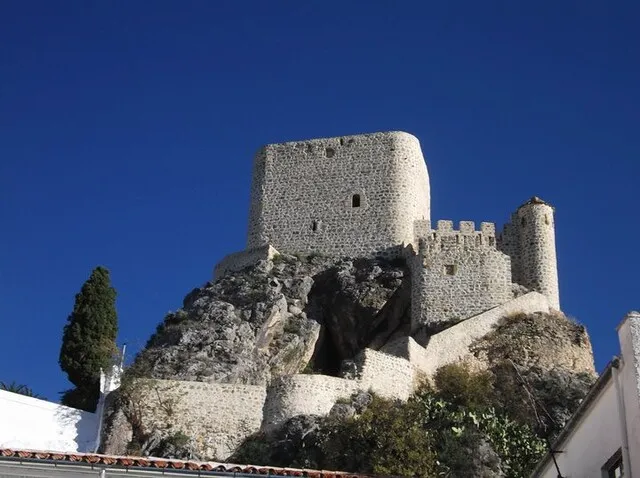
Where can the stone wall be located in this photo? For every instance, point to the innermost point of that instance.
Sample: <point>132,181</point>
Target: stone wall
<point>345,196</point>
<point>294,395</point>
<point>387,375</point>
<point>456,273</point>
<point>240,260</point>
<point>452,345</point>
<point>382,373</point>
<point>529,239</point>
<point>217,417</point>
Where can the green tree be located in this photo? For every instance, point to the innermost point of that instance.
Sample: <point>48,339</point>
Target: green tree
<point>18,388</point>
<point>88,340</point>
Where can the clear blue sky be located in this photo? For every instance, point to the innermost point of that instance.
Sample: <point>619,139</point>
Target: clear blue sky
<point>127,131</point>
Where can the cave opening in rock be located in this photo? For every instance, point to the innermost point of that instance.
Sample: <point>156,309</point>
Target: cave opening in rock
<point>326,358</point>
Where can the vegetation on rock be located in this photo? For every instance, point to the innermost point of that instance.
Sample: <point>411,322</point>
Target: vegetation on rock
<point>297,314</point>
<point>541,366</point>
<point>88,341</point>
<point>462,426</point>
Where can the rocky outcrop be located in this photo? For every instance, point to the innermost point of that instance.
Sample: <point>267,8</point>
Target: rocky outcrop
<point>218,361</point>
<point>547,341</point>
<point>278,318</point>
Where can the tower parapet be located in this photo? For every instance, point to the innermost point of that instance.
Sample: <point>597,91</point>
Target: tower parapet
<point>529,239</point>
<point>456,273</point>
<point>444,235</point>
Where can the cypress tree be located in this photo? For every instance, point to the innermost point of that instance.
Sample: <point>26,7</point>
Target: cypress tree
<point>88,340</point>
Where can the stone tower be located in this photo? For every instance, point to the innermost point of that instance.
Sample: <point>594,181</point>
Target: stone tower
<point>530,241</point>
<point>352,196</point>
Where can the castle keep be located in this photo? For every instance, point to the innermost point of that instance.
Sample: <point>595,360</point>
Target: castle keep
<point>352,196</point>
<point>369,195</point>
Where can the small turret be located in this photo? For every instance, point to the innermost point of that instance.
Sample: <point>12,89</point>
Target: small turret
<point>538,267</point>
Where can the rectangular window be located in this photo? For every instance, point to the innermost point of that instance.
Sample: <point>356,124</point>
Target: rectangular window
<point>613,467</point>
<point>450,269</point>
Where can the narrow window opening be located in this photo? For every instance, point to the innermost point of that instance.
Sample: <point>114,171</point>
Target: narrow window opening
<point>341,141</point>
<point>523,222</point>
<point>546,220</point>
<point>314,226</point>
<point>355,200</point>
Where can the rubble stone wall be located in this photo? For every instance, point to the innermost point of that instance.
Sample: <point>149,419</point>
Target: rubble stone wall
<point>218,417</point>
<point>387,375</point>
<point>239,260</point>
<point>351,196</point>
<point>457,274</point>
<point>302,394</point>
<point>452,345</point>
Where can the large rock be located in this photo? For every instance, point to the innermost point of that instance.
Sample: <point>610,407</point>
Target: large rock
<point>548,341</point>
<point>277,318</point>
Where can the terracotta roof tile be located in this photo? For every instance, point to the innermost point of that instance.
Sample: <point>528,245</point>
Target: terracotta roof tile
<point>162,463</point>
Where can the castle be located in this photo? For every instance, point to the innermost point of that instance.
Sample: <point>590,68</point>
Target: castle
<point>365,196</point>
<point>369,195</point>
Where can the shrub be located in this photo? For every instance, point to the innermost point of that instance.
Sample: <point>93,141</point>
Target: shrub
<point>387,438</point>
<point>457,384</point>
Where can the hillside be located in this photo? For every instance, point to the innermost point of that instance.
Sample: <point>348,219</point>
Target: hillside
<point>316,316</point>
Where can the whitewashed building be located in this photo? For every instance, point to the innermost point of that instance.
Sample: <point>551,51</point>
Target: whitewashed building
<point>35,424</point>
<point>602,438</point>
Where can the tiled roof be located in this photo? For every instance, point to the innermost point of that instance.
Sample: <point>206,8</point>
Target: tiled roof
<point>164,464</point>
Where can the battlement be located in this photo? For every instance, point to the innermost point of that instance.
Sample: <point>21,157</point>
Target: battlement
<point>445,235</point>
<point>334,147</point>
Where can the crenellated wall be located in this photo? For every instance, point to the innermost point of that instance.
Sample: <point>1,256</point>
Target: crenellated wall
<point>456,273</point>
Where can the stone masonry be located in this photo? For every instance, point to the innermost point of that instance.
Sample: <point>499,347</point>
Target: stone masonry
<point>531,242</point>
<point>218,417</point>
<point>350,196</point>
<point>369,195</point>
<point>364,196</point>
<point>456,274</point>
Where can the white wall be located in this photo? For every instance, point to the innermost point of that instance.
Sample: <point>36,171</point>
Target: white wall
<point>593,441</point>
<point>33,424</point>
<point>629,335</point>
<point>599,432</point>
